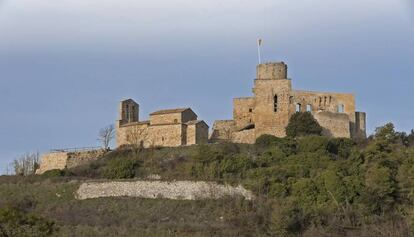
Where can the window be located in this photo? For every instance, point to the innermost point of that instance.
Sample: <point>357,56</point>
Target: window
<point>275,103</point>
<point>175,120</point>
<point>341,108</point>
<point>298,107</point>
<point>250,110</point>
<point>309,108</point>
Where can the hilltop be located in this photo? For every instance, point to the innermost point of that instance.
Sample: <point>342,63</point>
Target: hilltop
<point>304,186</point>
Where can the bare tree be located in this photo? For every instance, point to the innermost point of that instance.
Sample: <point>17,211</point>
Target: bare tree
<point>106,135</point>
<point>27,164</point>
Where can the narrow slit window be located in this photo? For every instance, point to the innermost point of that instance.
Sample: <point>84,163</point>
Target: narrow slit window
<point>275,103</point>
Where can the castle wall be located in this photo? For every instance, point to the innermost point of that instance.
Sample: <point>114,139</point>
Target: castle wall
<point>267,118</point>
<point>222,130</point>
<point>51,161</point>
<point>326,101</point>
<point>62,160</point>
<point>334,124</point>
<point>245,136</point>
<point>360,125</point>
<point>243,109</point>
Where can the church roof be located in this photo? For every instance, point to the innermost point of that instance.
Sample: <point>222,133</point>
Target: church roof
<point>170,111</point>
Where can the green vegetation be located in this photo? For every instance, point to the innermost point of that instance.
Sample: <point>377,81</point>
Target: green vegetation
<point>302,124</point>
<point>305,186</point>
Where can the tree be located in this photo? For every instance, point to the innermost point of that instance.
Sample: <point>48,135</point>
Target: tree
<point>106,135</point>
<point>302,124</point>
<point>27,164</point>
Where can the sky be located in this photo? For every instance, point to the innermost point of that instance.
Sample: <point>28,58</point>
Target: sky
<point>65,65</point>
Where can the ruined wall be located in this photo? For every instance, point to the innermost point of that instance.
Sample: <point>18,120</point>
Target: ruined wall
<point>245,136</point>
<point>222,130</point>
<point>177,190</point>
<point>83,158</point>
<point>243,109</point>
<point>334,124</point>
<point>360,126</point>
<point>326,101</point>
<point>62,160</point>
<point>51,161</point>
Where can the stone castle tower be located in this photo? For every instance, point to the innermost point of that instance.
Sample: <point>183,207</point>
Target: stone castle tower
<point>274,102</point>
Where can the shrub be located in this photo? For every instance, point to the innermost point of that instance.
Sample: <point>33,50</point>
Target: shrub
<point>14,222</point>
<point>302,124</point>
<point>121,169</point>
<point>266,140</point>
<point>313,144</point>
<point>342,147</point>
<point>55,173</point>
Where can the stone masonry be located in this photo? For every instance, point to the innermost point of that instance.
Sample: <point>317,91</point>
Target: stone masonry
<point>62,160</point>
<point>275,101</point>
<point>177,190</point>
<point>165,128</point>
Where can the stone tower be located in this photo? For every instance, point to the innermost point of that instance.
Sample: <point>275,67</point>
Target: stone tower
<point>273,105</point>
<point>128,112</point>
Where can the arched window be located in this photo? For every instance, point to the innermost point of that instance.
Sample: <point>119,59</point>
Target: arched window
<point>298,107</point>
<point>275,103</point>
<point>309,108</point>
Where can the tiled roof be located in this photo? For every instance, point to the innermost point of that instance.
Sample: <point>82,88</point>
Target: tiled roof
<point>169,111</point>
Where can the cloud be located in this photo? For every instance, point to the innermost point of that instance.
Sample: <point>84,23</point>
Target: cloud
<point>126,24</point>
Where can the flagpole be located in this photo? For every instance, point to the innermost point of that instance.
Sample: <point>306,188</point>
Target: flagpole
<point>259,43</point>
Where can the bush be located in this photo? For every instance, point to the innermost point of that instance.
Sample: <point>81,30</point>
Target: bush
<point>121,169</point>
<point>14,222</point>
<point>302,124</point>
<point>313,144</point>
<point>266,140</point>
<point>55,173</point>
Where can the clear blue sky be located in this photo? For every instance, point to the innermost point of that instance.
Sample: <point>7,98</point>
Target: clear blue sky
<point>64,65</point>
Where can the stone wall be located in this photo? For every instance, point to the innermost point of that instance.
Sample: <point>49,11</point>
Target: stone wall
<point>178,190</point>
<point>51,161</point>
<point>165,119</point>
<point>245,136</point>
<point>326,101</point>
<point>243,109</point>
<point>271,71</point>
<point>334,124</point>
<point>222,130</point>
<point>62,160</point>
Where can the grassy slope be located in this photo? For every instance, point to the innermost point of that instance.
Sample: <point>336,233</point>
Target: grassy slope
<point>306,187</point>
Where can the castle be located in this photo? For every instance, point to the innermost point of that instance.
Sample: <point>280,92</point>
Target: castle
<point>267,112</point>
